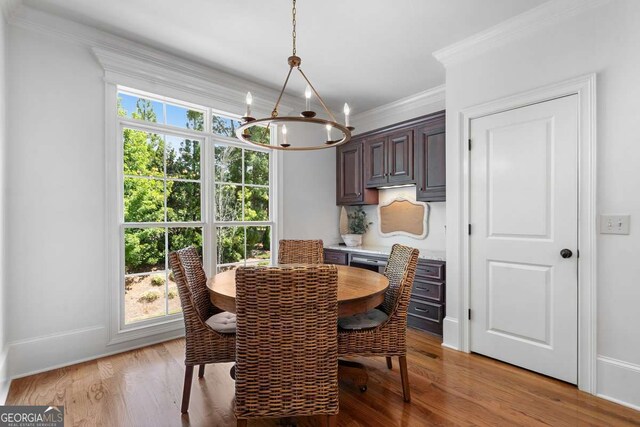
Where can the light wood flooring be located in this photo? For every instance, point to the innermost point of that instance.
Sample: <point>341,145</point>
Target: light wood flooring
<point>143,388</point>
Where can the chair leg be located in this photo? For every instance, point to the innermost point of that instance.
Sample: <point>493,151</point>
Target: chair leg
<point>404,374</point>
<point>389,363</point>
<point>332,420</point>
<point>186,391</point>
<point>241,422</point>
<point>201,371</point>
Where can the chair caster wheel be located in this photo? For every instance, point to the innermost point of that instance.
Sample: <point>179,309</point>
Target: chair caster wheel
<point>363,388</point>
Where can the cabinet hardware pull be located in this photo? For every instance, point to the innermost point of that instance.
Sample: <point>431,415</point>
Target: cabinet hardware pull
<point>423,289</point>
<point>422,309</point>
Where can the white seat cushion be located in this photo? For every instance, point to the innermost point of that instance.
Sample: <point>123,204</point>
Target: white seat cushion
<point>224,322</point>
<point>368,320</point>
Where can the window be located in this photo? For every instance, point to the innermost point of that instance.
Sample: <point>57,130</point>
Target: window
<point>241,188</point>
<point>186,181</point>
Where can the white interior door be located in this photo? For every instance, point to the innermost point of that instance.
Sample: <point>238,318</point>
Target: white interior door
<point>523,213</point>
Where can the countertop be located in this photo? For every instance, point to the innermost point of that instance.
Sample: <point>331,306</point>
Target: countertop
<point>386,250</point>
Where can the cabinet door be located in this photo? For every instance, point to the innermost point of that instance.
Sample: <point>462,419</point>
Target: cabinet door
<point>349,173</point>
<point>375,161</point>
<point>431,161</point>
<point>400,157</point>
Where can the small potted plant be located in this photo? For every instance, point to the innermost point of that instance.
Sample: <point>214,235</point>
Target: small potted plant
<point>358,225</point>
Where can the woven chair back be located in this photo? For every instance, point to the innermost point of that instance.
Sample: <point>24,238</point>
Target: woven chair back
<point>400,270</point>
<point>301,252</point>
<point>286,341</point>
<point>192,283</point>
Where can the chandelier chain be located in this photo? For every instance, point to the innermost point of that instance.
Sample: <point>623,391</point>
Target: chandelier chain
<point>293,22</point>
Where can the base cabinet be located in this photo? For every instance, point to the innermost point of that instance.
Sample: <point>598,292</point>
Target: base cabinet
<point>427,307</point>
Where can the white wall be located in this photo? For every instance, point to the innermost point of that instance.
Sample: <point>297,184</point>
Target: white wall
<point>309,191</point>
<point>604,40</point>
<point>3,205</point>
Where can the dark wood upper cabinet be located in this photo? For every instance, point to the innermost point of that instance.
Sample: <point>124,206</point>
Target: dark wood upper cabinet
<point>388,159</point>
<point>375,161</point>
<point>350,188</point>
<point>400,155</point>
<point>410,152</point>
<point>430,160</point>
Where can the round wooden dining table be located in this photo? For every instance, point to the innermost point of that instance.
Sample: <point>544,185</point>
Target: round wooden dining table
<point>359,290</point>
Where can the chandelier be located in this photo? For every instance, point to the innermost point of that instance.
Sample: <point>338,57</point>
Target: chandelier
<point>307,117</point>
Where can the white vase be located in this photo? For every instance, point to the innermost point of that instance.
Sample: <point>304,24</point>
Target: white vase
<point>352,240</point>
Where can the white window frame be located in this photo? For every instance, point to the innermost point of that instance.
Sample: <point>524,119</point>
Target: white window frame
<point>169,325</point>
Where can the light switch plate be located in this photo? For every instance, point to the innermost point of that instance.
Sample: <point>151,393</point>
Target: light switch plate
<point>614,224</point>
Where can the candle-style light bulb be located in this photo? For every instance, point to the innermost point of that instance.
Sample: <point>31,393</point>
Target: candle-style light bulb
<point>328,132</point>
<point>346,110</point>
<point>249,100</point>
<point>307,98</point>
<point>284,134</point>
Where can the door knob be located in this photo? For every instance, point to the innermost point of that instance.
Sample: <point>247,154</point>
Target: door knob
<point>566,253</point>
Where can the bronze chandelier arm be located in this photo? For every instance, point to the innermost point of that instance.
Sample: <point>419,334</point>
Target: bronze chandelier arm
<point>333,118</point>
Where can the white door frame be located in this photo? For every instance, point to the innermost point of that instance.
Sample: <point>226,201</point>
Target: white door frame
<point>585,88</point>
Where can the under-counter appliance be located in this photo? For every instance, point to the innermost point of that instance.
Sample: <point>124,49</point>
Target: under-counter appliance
<point>368,262</point>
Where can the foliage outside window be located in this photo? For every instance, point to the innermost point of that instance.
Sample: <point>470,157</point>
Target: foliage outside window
<point>163,175</point>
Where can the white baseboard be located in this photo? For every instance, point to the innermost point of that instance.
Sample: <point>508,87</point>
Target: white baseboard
<point>5,382</point>
<point>41,354</point>
<point>451,333</point>
<point>619,382</point>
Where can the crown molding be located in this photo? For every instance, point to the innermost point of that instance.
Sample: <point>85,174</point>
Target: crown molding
<point>529,22</point>
<point>421,103</point>
<point>122,57</point>
<point>9,8</point>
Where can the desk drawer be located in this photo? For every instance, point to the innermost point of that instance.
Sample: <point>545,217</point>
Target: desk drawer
<point>431,271</point>
<point>336,257</point>
<point>424,324</point>
<point>433,291</point>
<point>426,310</point>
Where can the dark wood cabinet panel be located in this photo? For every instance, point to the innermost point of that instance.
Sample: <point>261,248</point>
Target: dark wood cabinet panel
<point>400,155</point>
<point>350,188</point>
<point>336,257</point>
<point>411,152</point>
<point>430,160</point>
<point>375,161</point>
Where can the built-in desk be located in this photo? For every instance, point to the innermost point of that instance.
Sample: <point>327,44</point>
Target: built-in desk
<point>427,305</point>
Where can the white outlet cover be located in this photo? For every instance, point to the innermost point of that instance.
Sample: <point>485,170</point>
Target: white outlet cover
<point>614,224</point>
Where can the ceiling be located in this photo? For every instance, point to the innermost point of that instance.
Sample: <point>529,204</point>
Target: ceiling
<point>365,52</point>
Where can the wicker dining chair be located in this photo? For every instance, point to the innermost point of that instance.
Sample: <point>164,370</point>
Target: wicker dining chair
<point>209,332</point>
<point>301,252</point>
<point>286,342</point>
<point>383,332</point>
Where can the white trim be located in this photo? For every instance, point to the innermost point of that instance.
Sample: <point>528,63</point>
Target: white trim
<point>585,88</point>
<point>42,354</point>
<point>425,219</point>
<point>5,381</point>
<point>619,378</point>
<point>425,102</point>
<point>519,26</point>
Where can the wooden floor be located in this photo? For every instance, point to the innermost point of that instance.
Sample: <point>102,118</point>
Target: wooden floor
<point>143,388</point>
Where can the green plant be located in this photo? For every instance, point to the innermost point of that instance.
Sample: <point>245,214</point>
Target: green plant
<point>149,296</point>
<point>358,221</point>
<point>172,293</point>
<point>157,281</point>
